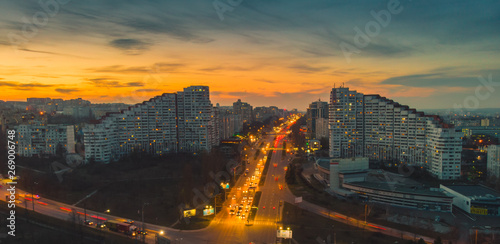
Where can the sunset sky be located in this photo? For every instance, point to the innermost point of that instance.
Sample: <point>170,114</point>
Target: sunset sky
<point>282,52</point>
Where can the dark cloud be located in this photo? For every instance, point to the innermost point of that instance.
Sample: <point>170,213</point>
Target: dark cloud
<point>134,84</point>
<point>304,68</point>
<point>130,46</point>
<point>162,67</point>
<point>147,90</point>
<point>266,81</point>
<point>111,82</point>
<point>48,52</point>
<point>439,79</point>
<point>66,91</point>
<point>211,69</point>
<point>23,86</point>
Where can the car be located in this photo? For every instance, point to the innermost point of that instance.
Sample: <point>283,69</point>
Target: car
<point>245,198</point>
<point>274,207</point>
<point>238,214</point>
<point>88,222</point>
<point>100,225</point>
<point>250,198</point>
<point>231,212</point>
<point>37,197</point>
<point>234,197</point>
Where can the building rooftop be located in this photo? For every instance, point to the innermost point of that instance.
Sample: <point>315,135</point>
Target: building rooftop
<point>384,186</point>
<point>324,163</point>
<point>473,190</point>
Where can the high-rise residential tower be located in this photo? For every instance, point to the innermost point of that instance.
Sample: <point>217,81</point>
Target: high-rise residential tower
<point>182,122</point>
<point>384,130</point>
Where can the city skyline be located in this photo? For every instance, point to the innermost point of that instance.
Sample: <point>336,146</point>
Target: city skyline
<point>260,52</point>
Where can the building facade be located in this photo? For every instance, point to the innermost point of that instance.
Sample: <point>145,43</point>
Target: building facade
<point>493,164</point>
<point>381,129</point>
<point>41,139</point>
<point>229,123</point>
<point>182,122</point>
<point>316,113</point>
<point>474,199</point>
<point>245,110</point>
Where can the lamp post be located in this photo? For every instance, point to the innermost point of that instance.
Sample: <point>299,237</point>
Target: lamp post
<point>142,213</point>
<point>334,235</point>
<point>32,198</point>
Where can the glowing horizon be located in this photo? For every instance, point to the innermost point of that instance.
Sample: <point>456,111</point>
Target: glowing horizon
<point>286,54</point>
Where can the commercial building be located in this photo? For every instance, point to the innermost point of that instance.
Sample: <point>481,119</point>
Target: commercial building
<point>182,122</point>
<point>474,199</point>
<point>493,163</point>
<point>350,177</point>
<point>381,129</point>
<point>41,139</point>
<point>402,196</point>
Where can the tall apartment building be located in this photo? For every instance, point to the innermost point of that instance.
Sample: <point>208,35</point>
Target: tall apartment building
<point>493,164</point>
<point>381,129</point>
<point>244,109</point>
<point>322,130</point>
<point>182,122</point>
<point>346,123</point>
<point>229,123</point>
<point>41,139</point>
<point>316,112</point>
<point>196,120</point>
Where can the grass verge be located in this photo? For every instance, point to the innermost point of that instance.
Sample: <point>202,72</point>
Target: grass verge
<point>255,207</point>
<point>266,168</point>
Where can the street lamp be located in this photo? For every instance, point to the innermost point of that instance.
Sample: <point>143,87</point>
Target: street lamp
<point>32,198</point>
<point>107,211</point>
<point>142,212</point>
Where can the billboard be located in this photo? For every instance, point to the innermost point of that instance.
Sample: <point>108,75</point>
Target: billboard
<point>208,211</point>
<point>189,213</point>
<point>284,234</point>
<point>225,186</point>
<point>480,211</point>
<point>298,199</point>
